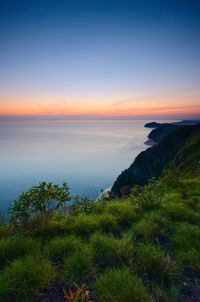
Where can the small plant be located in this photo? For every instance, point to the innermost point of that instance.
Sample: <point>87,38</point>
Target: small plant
<point>151,195</point>
<point>39,200</point>
<point>61,247</point>
<point>82,205</point>
<point>16,247</point>
<point>23,279</point>
<point>117,285</point>
<point>79,266</point>
<point>79,294</point>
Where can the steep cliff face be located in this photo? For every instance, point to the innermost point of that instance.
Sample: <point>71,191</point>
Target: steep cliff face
<point>179,149</point>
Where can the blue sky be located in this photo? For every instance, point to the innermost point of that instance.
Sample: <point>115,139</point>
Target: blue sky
<point>99,57</point>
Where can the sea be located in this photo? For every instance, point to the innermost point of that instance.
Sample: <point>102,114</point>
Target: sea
<point>87,154</point>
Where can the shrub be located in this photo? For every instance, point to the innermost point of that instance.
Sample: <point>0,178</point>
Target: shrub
<point>61,247</point>
<point>108,251</point>
<point>154,264</point>
<point>39,200</point>
<point>151,195</point>
<point>16,247</point>
<point>23,279</point>
<point>119,285</point>
<point>78,266</point>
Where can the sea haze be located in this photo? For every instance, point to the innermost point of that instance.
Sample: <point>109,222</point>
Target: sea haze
<point>86,154</point>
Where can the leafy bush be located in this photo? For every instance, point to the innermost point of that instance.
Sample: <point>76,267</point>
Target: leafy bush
<point>78,266</point>
<point>61,247</point>
<point>38,200</point>
<point>23,279</point>
<point>16,247</point>
<point>154,264</point>
<point>151,195</point>
<point>119,285</point>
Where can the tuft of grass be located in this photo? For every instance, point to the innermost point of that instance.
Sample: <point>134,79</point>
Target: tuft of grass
<point>180,212</point>
<point>23,279</point>
<point>153,227</point>
<point>84,225</point>
<point>123,211</point>
<point>117,285</point>
<point>106,222</point>
<point>185,236</point>
<point>15,247</point>
<point>79,267</point>
<point>186,245</point>
<point>152,263</point>
<point>108,251</point>
<point>60,247</point>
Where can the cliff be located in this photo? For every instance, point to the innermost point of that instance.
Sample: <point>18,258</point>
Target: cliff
<point>178,147</point>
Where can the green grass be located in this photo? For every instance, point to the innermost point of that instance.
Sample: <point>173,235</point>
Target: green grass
<point>79,267</point>
<point>117,285</point>
<point>109,252</point>
<point>155,265</point>
<point>121,251</point>
<point>15,247</point>
<point>60,247</point>
<point>23,279</point>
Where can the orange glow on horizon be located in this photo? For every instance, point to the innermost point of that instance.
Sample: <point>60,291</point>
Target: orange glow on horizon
<point>108,108</point>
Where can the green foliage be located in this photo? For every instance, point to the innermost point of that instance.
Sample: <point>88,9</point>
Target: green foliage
<point>82,205</point>
<point>153,227</point>
<point>108,251</point>
<point>79,266</point>
<point>39,200</point>
<point>123,211</point>
<point>154,264</point>
<point>151,195</point>
<point>186,244</point>
<point>23,279</point>
<point>61,247</point>
<point>15,247</point>
<point>119,285</point>
<point>84,225</point>
<point>180,212</point>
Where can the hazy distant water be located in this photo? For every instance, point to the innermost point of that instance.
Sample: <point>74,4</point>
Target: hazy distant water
<point>88,155</point>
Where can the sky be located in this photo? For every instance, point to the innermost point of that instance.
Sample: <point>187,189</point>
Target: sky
<point>100,58</point>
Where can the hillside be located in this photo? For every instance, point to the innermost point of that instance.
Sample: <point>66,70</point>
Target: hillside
<point>179,150</point>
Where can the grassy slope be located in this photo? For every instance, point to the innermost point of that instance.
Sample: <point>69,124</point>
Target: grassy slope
<point>157,250</point>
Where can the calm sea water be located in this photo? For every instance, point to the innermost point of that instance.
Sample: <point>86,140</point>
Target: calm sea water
<point>88,155</point>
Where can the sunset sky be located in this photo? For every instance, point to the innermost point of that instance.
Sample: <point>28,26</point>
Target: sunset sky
<point>100,58</point>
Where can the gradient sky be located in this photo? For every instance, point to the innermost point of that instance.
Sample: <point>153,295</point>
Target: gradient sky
<point>100,57</point>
